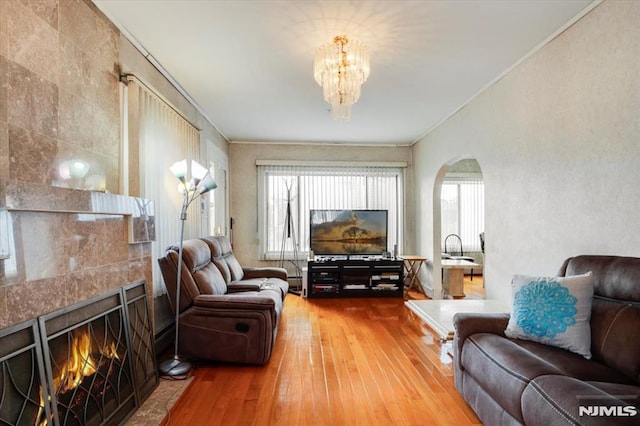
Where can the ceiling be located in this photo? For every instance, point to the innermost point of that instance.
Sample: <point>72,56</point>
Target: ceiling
<point>248,65</point>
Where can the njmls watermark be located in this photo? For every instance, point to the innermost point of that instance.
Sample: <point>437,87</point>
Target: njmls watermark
<point>607,411</point>
<point>614,406</point>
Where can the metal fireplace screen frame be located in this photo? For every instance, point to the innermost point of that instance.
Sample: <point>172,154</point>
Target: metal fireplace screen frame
<point>87,361</point>
<point>143,355</point>
<point>31,354</point>
<point>22,375</point>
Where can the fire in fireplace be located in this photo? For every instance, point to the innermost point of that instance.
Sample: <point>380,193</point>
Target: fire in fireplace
<point>84,359</point>
<point>90,378</point>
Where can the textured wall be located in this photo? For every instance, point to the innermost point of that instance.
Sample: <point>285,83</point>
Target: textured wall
<point>558,141</point>
<point>61,89</point>
<point>59,104</point>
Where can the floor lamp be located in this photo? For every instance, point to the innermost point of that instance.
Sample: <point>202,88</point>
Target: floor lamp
<point>201,182</point>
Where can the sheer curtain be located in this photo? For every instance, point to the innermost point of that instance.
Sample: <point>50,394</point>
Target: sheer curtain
<point>325,187</point>
<point>161,136</point>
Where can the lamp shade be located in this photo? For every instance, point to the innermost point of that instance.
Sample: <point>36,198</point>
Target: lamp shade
<point>179,169</point>
<point>206,184</point>
<point>197,171</point>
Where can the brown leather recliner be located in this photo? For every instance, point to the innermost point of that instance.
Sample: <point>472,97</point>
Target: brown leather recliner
<point>514,382</point>
<point>227,313</point>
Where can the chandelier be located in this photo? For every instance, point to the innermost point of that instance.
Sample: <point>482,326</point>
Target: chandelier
<point>340,68</point>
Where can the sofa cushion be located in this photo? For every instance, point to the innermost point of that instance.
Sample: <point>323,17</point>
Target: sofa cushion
<point>553,310</point>
<point>615,334</point>
<point>222,255</point>
<point>234,266</point>
<point>197,259</point>
<point>614,277</point>
<point>615,316</point>
<point>258,284</point>
<point>223,267</point>
<point>574,365</point>
<point>555,400</point>
<point>502,368</point>
<point>282,287</point>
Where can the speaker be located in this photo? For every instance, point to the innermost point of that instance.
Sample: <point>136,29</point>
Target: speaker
<point>305,282</point>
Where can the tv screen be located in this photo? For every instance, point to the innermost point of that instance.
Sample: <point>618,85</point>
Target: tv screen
<point>348,232</point>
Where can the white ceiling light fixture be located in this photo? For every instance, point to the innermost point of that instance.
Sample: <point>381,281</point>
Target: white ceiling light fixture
<point>340,68</point>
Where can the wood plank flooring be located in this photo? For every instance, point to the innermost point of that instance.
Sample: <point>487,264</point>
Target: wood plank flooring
<point>335,362</point>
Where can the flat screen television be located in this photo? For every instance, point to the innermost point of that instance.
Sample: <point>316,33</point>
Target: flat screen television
<point>348,232</point>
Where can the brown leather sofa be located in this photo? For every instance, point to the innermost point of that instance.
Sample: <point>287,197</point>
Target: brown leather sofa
<point>512,382</point>
<point>227,313</point>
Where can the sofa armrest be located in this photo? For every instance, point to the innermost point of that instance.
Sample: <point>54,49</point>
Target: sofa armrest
<point>466,324</point>
<point>234,301</point>
<point>265,272</point>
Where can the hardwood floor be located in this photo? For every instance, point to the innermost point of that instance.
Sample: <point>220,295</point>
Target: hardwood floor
<point>473,289</point>
<point>335,362</point>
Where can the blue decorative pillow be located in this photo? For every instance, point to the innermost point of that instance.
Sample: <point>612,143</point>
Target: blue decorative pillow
<point>553,310</point>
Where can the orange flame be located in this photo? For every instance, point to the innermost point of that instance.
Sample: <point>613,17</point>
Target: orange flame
<point>78,366</point>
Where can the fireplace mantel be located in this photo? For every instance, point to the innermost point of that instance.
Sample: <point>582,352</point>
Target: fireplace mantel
<point>36,198</point>
<point>59,246</point>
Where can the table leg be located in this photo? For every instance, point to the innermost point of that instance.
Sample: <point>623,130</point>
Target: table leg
<point>413,271</point>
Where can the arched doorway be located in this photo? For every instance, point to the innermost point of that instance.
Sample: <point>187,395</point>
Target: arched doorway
<point>458,223</point>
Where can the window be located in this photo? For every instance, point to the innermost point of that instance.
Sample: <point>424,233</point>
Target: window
<point>217,202</point>
<point>323,187</point>
<point>463,211</point>
<point>217,217</point>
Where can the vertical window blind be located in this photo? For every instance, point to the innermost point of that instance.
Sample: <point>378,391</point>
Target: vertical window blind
<point>324,187</point>
<point>164,137</point>
<point>462,207</point>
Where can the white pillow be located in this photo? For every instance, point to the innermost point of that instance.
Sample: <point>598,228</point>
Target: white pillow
<point>553,310</point>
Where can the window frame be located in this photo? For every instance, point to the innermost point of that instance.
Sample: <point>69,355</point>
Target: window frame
<point>475,239</point>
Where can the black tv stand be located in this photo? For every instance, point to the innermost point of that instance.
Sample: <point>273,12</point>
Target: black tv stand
<point>369,276</point>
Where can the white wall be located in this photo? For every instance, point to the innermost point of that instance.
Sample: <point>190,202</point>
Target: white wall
<point>558,141</point>
<point>244,189</point>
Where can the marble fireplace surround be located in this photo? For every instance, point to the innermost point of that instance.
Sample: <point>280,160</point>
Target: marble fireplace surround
<point>61,246</point>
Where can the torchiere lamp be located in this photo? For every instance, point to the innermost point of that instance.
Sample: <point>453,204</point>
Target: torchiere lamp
<point>201,182</point>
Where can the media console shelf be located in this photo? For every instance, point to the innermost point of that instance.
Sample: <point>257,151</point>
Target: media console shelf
<point>372,277</point>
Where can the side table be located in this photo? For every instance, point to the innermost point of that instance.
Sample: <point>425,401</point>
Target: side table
<point>412,265</point>
<point>453,283</point>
